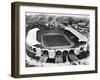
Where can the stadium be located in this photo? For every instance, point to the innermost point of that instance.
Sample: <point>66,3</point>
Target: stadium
<point>54,40</point>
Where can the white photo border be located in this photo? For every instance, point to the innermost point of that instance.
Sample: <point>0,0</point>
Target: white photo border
<point>40,70</point>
